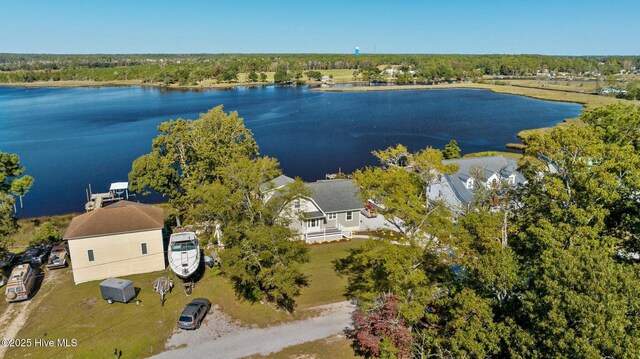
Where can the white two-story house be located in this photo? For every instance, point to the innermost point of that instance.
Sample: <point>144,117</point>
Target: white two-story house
<point>458,189</point>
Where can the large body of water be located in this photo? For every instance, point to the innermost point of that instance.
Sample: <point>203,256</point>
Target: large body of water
<point>69,138</point>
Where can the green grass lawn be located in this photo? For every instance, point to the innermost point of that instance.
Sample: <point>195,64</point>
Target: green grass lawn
<point>345,75</point>
<point>325,285</point>
<point>335,347</point>
<point>64,310</point>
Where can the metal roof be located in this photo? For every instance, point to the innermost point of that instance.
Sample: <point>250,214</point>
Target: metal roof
<point>489,165</point>
<point>118,186</point>
<point>504,166</point>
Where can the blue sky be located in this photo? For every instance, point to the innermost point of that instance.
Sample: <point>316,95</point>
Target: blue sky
<point>331,26</point>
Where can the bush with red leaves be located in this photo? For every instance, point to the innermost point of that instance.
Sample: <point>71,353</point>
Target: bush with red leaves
<point>379,331</point>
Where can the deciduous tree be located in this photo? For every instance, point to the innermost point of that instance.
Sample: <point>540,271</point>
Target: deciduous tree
<point>211,171</point>
<point>188,153</point>
<point>12,183</point>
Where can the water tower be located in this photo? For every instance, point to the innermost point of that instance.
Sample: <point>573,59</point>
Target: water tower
<point>357,51</point>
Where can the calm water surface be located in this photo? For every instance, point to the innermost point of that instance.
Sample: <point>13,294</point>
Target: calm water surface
<point>71,137</point>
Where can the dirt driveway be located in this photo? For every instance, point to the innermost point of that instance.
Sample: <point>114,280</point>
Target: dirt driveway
<point>16,314</point>
<point>220,338</point>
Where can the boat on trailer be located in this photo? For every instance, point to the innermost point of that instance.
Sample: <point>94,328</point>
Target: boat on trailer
<point>184,254</point>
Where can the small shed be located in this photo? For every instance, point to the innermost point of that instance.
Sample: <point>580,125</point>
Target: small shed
<point>117,290</point>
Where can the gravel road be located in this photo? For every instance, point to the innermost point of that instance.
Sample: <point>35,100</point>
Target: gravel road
<point>218,337</point>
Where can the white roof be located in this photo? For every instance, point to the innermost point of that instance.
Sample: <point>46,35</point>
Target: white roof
<point>116,186</point>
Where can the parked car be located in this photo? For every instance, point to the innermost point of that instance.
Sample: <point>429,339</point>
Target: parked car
<point>36,255</point>
<point>7,259</point>
<point>194,313</point>
<point>59,257</point>
<point>21,283</point>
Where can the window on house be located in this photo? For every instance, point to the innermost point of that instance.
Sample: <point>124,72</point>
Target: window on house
<point>512,179</point>
<point>90,254</point>
<point>349,216</point>
<point>470,183</point>
<point>331,216</point>
<point>312,223</point>
<point>143,247</point>
<point>296,204</point>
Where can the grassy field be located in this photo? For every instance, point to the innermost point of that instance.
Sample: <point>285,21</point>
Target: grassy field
<point>335,347</point>
<point>589,101</point>
<point>557,85</point>
<point>339,76</point>
<point>64,310</point>
<point>27,227</point>
<point>515,156</point>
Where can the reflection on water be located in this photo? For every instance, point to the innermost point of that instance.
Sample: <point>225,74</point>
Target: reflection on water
<point>69,138</point>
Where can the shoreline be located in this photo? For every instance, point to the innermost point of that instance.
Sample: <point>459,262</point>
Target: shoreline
<point>588,101</point>
<point>78,84</point>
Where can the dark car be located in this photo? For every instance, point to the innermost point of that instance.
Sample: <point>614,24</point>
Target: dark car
<point>194,313</point>
<point>36,255</point>
<point>6,259</point>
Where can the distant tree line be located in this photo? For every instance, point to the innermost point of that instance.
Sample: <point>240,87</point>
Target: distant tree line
<point>192,69</point>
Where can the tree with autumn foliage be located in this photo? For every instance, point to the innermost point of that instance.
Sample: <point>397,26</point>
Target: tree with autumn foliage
<point>379,331</point>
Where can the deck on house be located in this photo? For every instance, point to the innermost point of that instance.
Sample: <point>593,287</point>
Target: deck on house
<point>327,234</point>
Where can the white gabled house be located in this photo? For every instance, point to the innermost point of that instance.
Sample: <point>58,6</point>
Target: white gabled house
<point>332,212</point>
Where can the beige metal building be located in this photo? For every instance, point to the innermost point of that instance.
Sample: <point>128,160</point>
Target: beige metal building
<point>118,240</point>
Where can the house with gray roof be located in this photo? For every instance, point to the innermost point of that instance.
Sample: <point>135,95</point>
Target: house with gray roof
<point>458,189</point>
<point>332,212</point>
<point>268,189</point>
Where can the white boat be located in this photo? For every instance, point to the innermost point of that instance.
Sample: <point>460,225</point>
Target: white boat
<point>184,254</point>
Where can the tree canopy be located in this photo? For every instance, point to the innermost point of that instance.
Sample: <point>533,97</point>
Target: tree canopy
<point>12,183</point>
<point>211,171</point>
<point>189,153</point>
<point>551,271</point>
<point>451,150</point>
<point>193,69</point>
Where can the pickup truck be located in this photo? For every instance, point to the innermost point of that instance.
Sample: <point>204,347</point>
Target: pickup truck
<point>59,257</point>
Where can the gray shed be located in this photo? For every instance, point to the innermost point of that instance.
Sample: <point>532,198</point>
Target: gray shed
<point>117,290</point>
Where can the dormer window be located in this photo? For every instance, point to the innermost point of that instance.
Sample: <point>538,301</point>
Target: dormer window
<point>470,183</point>
<point>493,181</point>
<point>296,204</point>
